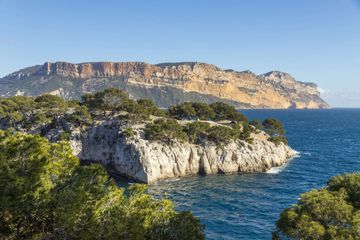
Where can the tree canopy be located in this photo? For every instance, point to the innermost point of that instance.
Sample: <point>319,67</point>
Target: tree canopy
<point>46,194</point>
<point>197,131</point>
<point>29,112</point>
<point>329,213</point>
<point>215,111</point>
<point>114,100</point>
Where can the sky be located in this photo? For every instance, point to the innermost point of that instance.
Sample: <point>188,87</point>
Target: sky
<point>313,40</point>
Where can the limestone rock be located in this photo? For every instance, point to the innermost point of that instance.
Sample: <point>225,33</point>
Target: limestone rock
<point>165,84</point>
<point>149,161</point>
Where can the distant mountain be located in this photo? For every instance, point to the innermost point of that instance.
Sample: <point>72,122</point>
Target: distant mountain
<point>165,84</point>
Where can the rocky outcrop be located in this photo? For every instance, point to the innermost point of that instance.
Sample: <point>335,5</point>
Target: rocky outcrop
<point>165,84</point>
<point>148,161</point>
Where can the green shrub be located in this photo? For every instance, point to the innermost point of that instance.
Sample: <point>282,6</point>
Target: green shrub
<point>113,99</point>
<point>150,108</point>
<point>246,131</point>
<point>221,134</point>
<point>197,131</point>
<point>328,213</point>
<point>47,194</point>
<point>275,129</point>
<point>225,111</point>
<point>129,133</point>
<point>80,116</point>
<point>278,139</point>
<point>164,130</point>
<point>182,111</point>
<point>64,136</point>
<point>256,123</point>
<point>110,99</point>
<point>203,111</point>
<point>29,112</point>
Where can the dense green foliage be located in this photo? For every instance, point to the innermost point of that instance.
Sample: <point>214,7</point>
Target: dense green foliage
<point>48,112</point>
<point>111,99</point>
<point>329,213</point>
<point>46,194</point>
<point>165,130</point>
<point>225,111</point>
<point>192,110</point>
<point>196,132</point>
<point>220,134</point>
<point>115,100</point>
<point>273,127</point>
<point>29,112</point>
<point>129,132</point>
<point>22,112</point>
<point>215,111</point>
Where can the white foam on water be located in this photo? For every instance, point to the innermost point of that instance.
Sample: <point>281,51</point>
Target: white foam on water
<point>276,170</point>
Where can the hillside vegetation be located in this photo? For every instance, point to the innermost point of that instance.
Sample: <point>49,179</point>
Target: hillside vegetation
<point>46,194</point>
<point>190,121</point>
<point>332,212</point>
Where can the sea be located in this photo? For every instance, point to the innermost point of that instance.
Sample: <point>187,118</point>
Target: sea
<point>247,205</point>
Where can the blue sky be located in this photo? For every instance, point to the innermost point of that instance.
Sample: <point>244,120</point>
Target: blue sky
<point>313,40</point>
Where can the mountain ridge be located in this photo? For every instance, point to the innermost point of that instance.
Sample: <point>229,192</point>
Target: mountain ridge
<point>165,83</point>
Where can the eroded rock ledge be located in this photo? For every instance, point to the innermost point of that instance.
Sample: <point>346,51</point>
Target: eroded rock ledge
<point>149,161</point>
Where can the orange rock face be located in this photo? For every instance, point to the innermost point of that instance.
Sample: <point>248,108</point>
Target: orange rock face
<point>270,90</point>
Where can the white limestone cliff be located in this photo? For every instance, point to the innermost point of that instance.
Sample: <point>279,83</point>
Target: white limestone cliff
<point>149,161</point>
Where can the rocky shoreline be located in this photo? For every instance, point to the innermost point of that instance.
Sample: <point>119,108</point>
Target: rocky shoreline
<point>148,161</point>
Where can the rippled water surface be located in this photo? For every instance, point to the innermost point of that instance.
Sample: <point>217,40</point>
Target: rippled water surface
<point>246,206</point>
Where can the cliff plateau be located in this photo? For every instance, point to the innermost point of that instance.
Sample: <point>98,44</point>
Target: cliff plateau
<point>148,161</point>
<point>165,84</point>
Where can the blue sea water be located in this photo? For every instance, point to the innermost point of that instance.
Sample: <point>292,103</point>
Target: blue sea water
<point>247,205</point>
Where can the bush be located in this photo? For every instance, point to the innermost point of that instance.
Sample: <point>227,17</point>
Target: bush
<point>275,129</point>
<point>182,111</point>
<point>129,133</point>
<point>29,112</point>
<point>203,111</point>
<point>197,131</point>
<point>80,116</point>
<point>225,111</point>
<point>110,99</point>
<point>278,139</point>
<point>150,108</point>
<point>245,134</point>
<point>256,123</point>
<point>328,213</point>
<point>64,136</point>
<point>221,134</point>
<point>113,100</point>
<point>141,109</point>
<point>46,194</point>
<point>164,130</point>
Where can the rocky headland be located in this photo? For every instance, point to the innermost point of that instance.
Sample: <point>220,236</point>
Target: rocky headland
<point>138,140</point>
<point>148,161</point>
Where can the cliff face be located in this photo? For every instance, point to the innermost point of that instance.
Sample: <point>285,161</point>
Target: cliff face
<point>149,161</point>
<point>165,84</point>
